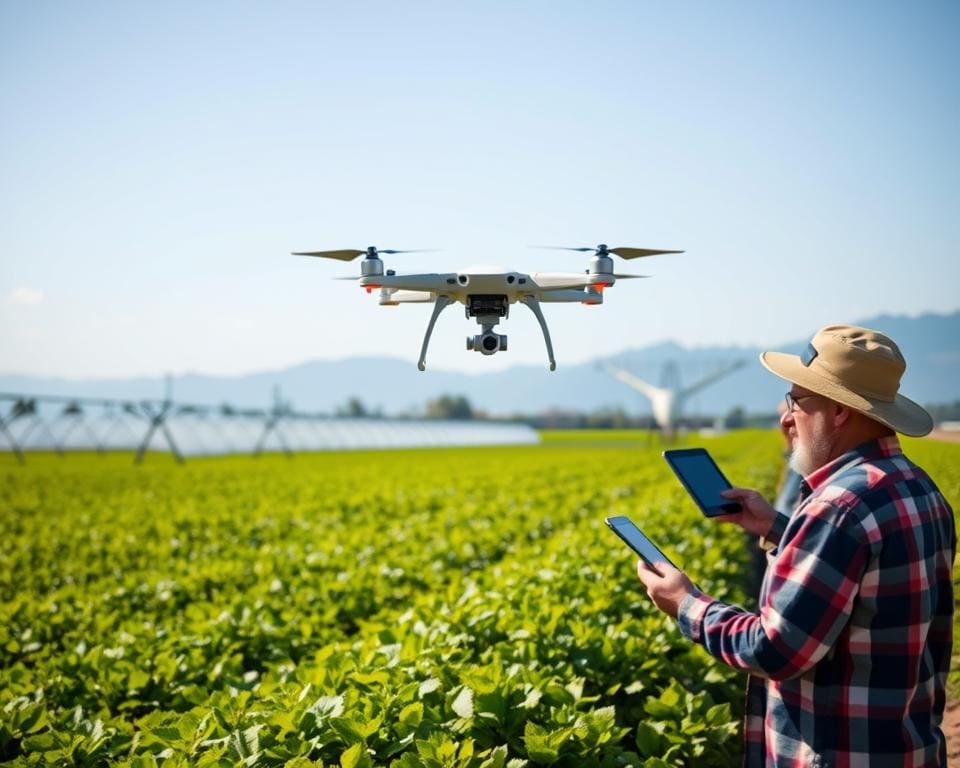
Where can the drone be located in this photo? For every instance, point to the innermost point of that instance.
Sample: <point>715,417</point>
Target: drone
<point>488,292</point>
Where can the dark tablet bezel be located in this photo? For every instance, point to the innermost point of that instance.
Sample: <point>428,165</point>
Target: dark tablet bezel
<point>729,508</point>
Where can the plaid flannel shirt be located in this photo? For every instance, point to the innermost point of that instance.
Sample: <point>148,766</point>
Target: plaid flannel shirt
<point>849,652</point>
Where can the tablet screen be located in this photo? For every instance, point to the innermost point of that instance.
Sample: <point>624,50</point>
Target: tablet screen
<point>625,528</point>
<point>703,480</point>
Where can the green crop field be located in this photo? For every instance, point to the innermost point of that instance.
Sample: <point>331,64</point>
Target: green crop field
<point>387,608</point>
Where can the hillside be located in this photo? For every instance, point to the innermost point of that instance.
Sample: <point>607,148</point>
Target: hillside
<point>931,343</point>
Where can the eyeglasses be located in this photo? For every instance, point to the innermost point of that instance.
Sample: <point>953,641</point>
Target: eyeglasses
<point>793,399</point>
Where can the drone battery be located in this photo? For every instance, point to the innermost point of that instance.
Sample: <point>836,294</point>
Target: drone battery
<point>484,305</point>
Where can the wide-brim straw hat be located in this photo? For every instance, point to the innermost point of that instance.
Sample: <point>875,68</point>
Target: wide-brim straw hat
<point>856,367</point>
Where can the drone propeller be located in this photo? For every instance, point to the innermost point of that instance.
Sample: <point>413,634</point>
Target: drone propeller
<point>635,253</point>
<point>601,250</point>
<point>561,248</point>
<point>350,254</point>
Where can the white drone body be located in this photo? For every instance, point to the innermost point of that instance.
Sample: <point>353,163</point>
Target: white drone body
<point>487,293</point>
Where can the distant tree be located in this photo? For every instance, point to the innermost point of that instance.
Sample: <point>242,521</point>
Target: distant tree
<point>736,418</point>
<point>354,409</point>
<point>607,418</point>
<point>945,411</point>
<point>449,407</point>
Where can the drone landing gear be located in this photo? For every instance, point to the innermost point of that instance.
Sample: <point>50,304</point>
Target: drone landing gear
<point>439,305</point>
<point>534,304</point>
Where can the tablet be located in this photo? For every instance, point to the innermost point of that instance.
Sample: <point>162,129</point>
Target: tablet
<point>703,480</point>
<point>634,538</point>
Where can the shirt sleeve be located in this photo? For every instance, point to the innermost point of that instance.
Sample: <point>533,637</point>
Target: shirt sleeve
<point>810,588</point>
<point>775,533</point>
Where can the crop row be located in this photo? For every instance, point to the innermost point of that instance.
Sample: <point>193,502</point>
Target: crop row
<point>408,608</point>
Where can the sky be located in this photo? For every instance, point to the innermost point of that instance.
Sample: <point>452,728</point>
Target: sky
<point>160,161</point>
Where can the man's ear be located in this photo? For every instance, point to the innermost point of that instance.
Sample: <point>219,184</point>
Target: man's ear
<point>842,414</point>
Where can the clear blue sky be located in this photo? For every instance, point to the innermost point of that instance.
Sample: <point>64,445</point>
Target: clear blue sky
<point>159,161</point>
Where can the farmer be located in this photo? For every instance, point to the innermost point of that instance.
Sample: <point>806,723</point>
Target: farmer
<point>849,652</point>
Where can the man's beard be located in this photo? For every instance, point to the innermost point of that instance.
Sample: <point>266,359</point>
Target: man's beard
<point>806,458</point>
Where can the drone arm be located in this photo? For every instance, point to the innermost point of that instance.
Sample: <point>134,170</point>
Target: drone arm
<point>391,296</point>
<point>534,304</point>
<point>425,282</point>
<point>439,305</point>
<point>570,296</point>
<point>552,281</point>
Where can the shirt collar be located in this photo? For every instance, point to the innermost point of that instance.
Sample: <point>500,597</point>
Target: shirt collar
<point>880,448</point>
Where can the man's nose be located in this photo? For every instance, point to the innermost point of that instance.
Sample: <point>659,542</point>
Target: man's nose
<point>786,419</point>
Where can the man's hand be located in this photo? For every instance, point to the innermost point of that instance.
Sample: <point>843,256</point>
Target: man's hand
<point>668,590</point>
<point>756,514</point>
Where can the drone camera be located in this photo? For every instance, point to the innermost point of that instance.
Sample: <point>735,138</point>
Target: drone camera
<point>487,343</point>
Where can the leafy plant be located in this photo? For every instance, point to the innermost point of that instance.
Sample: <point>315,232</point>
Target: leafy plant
<point>415,609</point>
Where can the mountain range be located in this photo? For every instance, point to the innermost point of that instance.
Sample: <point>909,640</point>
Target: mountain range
<point>930,343</point>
